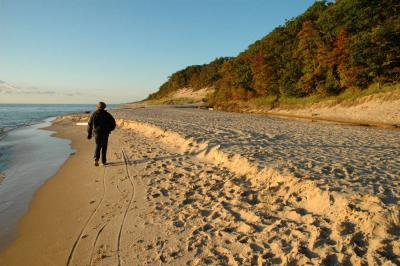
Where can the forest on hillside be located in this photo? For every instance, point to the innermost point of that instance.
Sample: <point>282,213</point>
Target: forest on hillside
<point>331,47</point>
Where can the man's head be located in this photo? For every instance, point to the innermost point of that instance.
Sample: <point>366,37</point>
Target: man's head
<point>101,105</point>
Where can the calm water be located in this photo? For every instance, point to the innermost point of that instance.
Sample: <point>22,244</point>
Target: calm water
<point>16,115</point>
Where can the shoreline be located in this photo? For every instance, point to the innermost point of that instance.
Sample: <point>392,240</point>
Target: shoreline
<point>4,132</point>
<point>48,208</point>
<point>31,156</point>
<point>167,198</point>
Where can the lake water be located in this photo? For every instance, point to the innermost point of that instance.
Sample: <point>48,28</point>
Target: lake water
<point>17,115</point>
<point>29,155</point>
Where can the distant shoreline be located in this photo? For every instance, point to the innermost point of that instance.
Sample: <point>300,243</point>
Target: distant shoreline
<point>381,110</point>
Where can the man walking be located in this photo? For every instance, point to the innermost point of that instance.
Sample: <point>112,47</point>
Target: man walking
<point>101,123</point>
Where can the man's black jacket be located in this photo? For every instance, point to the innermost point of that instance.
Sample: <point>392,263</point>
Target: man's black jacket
<point>101,122</point>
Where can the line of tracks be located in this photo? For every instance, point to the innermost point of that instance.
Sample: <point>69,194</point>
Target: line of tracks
<point>127,209</point>
<point>75,245</point>
<point>103,226</point>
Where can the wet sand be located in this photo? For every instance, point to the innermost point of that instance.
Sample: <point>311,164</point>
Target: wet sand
<point>192,187</point>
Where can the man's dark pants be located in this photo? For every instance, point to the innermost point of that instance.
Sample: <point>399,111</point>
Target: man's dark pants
<point>101,146</point>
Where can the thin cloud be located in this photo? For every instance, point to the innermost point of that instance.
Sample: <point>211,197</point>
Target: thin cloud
<point>7,88</point>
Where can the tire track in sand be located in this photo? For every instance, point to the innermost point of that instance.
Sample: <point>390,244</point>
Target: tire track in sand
<point>127,209</point>
<point>100,231</point>
<point>95,242</point>
<point>74,246</point>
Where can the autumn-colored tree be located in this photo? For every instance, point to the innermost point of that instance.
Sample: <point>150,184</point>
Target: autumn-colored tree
<point>308,42</point>
<point>340,54</point>
<point>263,75</point>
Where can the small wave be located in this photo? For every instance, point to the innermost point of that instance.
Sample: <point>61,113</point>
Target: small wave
<point>4,129</point>
<point>2,132</point>
<point>17,116</point>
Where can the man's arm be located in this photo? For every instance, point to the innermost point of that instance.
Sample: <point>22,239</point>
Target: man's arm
<point>90,127</point>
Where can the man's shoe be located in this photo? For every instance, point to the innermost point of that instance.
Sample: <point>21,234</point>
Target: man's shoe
<point>96,163</point>
<point>104,163</point>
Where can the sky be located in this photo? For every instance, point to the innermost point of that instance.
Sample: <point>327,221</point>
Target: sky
<point>117,51</point>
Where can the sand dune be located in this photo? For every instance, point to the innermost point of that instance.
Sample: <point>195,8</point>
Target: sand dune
<point>335,157</point>
<point>339,208</point>
<point>192,187</point>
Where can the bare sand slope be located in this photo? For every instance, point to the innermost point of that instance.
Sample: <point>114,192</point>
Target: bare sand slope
<point>191,187</point>
<point>378,109</point>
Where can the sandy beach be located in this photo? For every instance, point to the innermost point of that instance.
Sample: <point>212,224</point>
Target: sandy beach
<point>196,187</point>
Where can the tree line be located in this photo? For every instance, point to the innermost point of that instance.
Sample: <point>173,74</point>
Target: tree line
<point>331,47</point>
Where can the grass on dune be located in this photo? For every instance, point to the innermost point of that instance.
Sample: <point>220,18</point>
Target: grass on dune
<point>349,97</point>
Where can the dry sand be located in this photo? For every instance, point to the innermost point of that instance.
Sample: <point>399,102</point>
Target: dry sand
<point>194,187</point>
